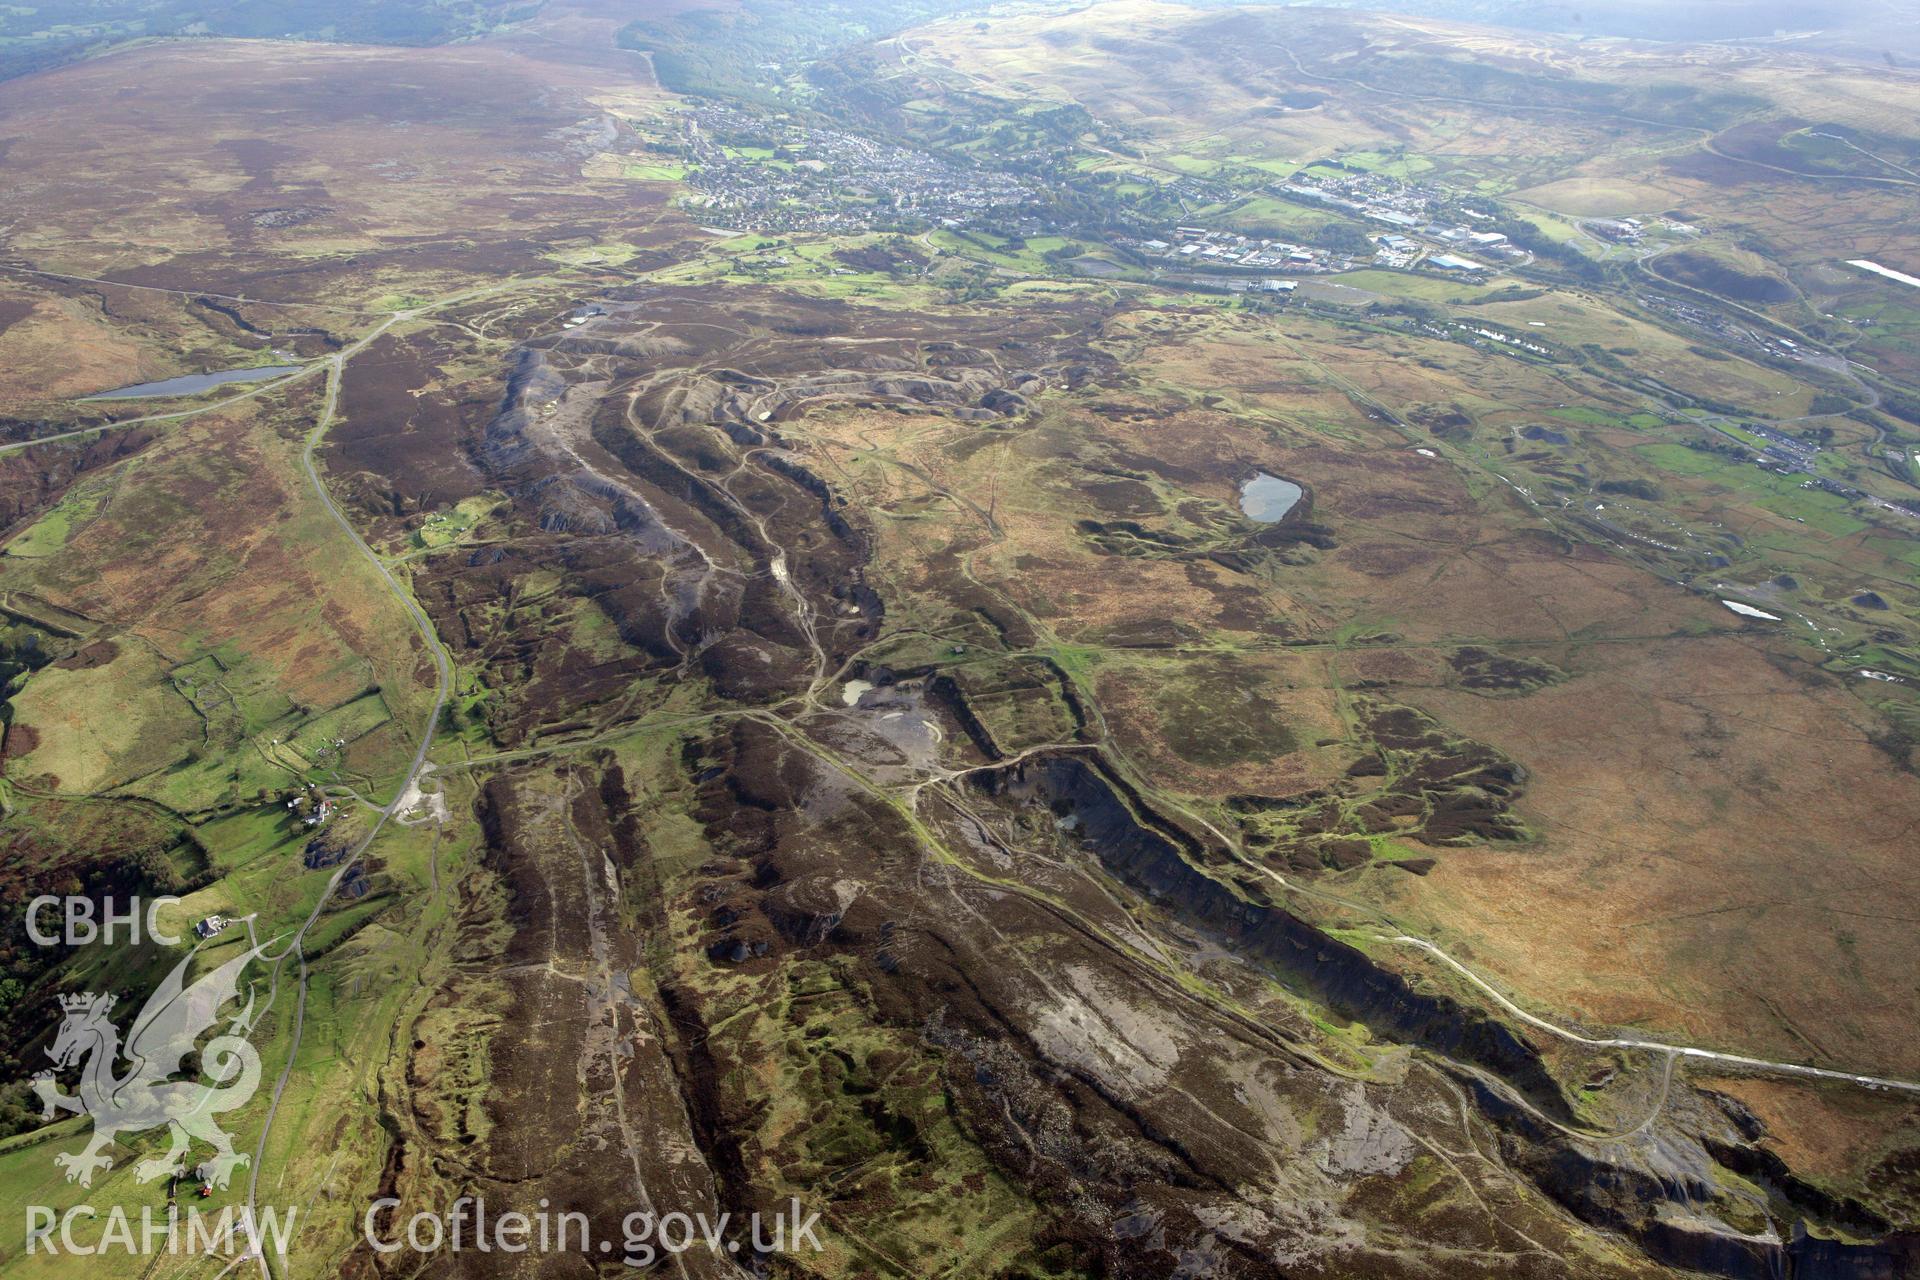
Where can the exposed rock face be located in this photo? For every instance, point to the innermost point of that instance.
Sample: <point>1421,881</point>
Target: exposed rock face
<point>1027,964</point>
<point>1813,1258</point>
<point>1344,978</point>
<point>645,463</point>
<point>1035,1040</point>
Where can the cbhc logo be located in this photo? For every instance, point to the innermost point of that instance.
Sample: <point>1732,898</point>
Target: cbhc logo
<point>83,923</point>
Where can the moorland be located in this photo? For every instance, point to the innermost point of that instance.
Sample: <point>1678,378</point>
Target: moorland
<point>750,544</point>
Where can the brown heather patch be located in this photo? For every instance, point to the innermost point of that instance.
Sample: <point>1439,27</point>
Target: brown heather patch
<point>1822,1132</point>
<point>1674,893</point>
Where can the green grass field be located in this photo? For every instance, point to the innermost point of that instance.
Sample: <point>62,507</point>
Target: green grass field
<point>50,533</point>
<point>654,172</point>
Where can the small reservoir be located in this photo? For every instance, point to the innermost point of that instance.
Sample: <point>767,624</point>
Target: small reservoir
<point>1268,498</point>
<point>188,383</point>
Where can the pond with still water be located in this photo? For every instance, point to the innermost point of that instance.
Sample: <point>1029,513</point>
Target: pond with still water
<point>1267,498</point>
<point>188,383</point>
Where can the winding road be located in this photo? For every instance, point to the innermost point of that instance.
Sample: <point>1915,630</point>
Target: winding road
<point>1650,1046</point>
<point>336,367</point>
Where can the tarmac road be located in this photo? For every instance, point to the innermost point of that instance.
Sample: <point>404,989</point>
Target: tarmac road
<point>336,366</point>
<point>1653,1046</point>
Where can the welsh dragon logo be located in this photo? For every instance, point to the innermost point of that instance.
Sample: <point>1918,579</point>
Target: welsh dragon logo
<point>163,1034</point>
